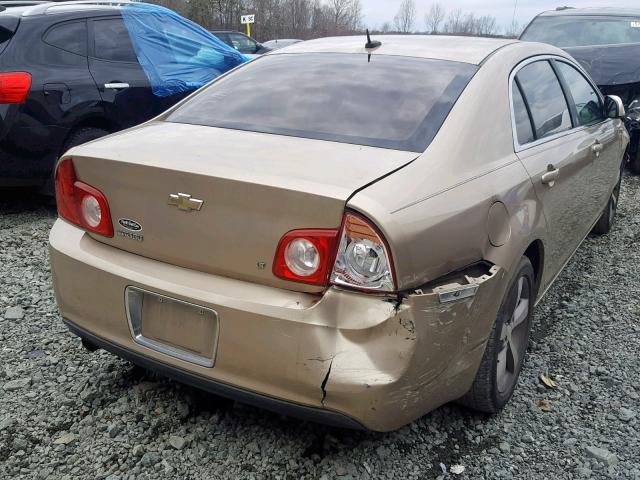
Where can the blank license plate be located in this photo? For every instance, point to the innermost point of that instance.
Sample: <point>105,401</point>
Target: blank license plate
<point>180,329</point>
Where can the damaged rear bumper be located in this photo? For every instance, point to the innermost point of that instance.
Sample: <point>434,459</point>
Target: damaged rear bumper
<point>341,358</point>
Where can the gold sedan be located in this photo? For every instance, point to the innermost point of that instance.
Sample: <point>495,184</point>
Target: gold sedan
<point>347,231</point>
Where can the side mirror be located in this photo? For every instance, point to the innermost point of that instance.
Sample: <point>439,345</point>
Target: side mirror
<point>613,107</point>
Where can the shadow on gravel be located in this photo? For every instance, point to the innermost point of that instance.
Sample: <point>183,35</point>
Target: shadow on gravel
<point>22,200</point>
<point>318,443</point>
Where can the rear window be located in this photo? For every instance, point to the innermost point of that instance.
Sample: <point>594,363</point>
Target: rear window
<point>69,36</point>
<point>580,31</point>
<point>388,102</point>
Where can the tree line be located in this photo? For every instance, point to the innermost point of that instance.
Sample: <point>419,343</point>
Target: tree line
<point>440,21</point>
<point>306,19</point>
<point>303,19</point>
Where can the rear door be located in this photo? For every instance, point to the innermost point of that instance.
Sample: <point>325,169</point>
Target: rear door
<point>557,156</point>
<point>124,87</point>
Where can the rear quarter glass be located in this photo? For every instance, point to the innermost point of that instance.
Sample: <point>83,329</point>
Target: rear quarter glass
<point>8,27</point>
<point>387,101</point>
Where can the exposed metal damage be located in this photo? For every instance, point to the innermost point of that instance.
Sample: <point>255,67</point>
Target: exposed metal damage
<point>422,341</point>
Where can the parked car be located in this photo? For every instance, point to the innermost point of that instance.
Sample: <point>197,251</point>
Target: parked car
<point>281,43</point>
<point>19,3</point>
<point>75,71</point>
<point>606,41</point>
<point>241,42</point>
<point>359,241</point>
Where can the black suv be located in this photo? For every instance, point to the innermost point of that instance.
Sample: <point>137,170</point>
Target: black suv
<point>68,74</point>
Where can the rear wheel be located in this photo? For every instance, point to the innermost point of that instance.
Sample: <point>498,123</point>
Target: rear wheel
<point>500,368</point>
<point>606,221</point>
<point>83,135</point>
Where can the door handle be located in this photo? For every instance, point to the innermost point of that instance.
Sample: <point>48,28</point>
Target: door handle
<point>116,86</point>
<point>596,148</point>
<point>551,176</point>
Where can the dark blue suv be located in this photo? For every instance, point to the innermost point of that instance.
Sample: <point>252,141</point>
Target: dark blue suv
<point>75,71</point>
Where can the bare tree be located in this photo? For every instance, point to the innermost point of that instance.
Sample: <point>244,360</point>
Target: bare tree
<point>513,30</point>
<point>455,21</point>
<point>435,17</point>
<point>386,27</point>
<point>405,19</point>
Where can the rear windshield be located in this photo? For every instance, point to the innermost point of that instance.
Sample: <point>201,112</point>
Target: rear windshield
<point>388,102</point>
<point>581,31</point>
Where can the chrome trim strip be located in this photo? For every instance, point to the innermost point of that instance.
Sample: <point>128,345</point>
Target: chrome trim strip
<point>133,304</point>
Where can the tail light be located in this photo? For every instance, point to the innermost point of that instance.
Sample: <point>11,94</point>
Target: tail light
<point>81,204</point>
<point>14,87</point>
<point>363,260</point>
<point>305,256</point>
<point>357,252</point>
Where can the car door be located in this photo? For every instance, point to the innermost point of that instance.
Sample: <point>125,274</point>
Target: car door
<point>605,152</point>
<point>124,87</point>
<point>557,156</point>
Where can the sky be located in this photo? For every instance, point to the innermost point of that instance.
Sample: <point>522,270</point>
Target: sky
<point>376,12</point>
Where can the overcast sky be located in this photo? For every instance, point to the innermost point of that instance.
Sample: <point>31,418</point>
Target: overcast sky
<point>376,12</point>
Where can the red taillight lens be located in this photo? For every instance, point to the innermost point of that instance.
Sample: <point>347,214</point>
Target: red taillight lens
<point>306,256</point>
<point>356,256</point>
<point>14,87</point>
<point>80,203</point>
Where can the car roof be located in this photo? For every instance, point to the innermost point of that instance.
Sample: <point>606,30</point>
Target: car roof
<point>605,11</point>
<point>440,47</point>
<point>48,8</point>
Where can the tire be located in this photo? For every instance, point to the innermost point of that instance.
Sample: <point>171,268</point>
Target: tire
<point>608,217</point>
<point>502,361</point>
<point>83,135</point>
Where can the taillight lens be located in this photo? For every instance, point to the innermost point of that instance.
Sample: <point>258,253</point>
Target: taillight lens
<point>14,87</point>
<point>80,203</point>
<point>305,256</point>
<point>363,260</point>
<point>357,252</point>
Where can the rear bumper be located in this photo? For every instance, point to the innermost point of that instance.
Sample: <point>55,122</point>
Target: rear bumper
<point>341,358</point>
<point>251,398</point>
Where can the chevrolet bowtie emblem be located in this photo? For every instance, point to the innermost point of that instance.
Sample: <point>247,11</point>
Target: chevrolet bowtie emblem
<point>184,202</point>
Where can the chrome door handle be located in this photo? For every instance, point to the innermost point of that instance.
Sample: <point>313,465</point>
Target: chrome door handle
<point>116,86</point>
<point>551,176</point>
<point>596,148</point>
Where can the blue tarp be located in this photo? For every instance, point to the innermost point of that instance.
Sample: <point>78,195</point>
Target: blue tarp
<point>176,54</point>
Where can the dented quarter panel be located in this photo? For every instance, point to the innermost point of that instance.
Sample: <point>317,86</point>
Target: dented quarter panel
<point>423,356</point>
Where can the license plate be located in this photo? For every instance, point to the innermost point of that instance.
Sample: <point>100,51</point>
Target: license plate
<point>173,327</point>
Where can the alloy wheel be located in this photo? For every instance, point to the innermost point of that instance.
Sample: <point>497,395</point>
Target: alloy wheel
<point>513,338</point>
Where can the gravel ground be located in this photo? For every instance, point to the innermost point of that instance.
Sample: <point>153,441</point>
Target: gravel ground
<point>65,413</point>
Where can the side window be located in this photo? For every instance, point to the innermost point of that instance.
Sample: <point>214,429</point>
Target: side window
<point>524,129</point>
<point>543,94</point>
<point>112,42</point>
<point>69,36</point>
<point>243,44</point>
<point>585,96</point>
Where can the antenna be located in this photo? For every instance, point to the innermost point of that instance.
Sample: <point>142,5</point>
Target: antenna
<point>371,43</point>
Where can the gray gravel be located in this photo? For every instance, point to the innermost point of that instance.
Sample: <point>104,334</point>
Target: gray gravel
<point>65,413</point>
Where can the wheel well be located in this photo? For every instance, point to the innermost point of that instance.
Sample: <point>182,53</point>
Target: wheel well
<point>535,254</point>
<point>93,122</point>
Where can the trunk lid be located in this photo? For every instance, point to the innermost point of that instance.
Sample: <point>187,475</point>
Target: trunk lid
<point>254,188</point>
